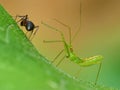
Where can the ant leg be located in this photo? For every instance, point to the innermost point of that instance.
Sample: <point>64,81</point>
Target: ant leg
<point>26,32</point>
<point>30,34</point>
<point>22,17</point>
<point>37,27</point>
<point>17,17</point>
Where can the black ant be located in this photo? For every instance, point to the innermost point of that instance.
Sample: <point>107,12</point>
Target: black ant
<point>28,25</point>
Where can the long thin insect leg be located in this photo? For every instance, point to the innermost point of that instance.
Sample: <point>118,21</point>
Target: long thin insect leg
<point>67,27</point>
<point>57,55</point>
<point>62,36</point>
<point>98,73</point>
<point>77,73</point>
<point>53,41</point>
<point>60,61</point>
<point>55,29</point>
<point>77,32</point>
<point>63,40</point>
<point>59,52</point>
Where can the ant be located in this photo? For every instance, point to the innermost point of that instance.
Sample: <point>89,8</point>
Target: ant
<point>29,25</point>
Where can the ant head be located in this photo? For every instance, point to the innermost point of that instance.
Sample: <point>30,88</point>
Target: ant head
<point>26,16</point>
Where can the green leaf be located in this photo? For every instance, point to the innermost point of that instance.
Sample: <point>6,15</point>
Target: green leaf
<point>23,68</point>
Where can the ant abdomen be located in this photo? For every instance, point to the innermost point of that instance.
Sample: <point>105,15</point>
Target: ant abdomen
<point>29,26</point>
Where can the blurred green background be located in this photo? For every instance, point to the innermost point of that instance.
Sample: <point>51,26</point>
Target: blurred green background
<point>99,34</point>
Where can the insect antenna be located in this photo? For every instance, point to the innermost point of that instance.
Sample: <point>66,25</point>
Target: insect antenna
<point>67,27</point>
<point>77,32</point>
